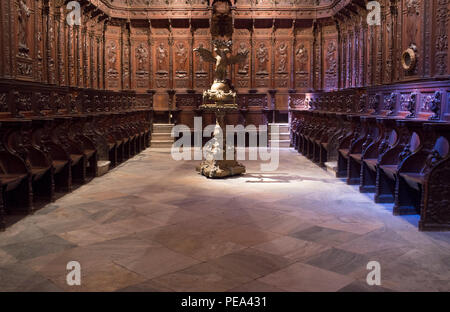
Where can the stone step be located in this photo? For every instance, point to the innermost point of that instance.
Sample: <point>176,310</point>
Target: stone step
<point>279,124</point>
<point>161,143</point>
<point>162,130</point>
<point>161,136</point>
<point>281,143</point>
<point>162,127</point>
<point>279,132</point>
<point>281,127</point>
<point>161,133</point>
<point>281,136</point>
<point>171,140</point>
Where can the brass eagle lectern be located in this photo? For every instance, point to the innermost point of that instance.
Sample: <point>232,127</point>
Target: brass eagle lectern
<point>220,98</point>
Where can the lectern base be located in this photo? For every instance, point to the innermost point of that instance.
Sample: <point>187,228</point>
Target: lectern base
<point>218,169</point>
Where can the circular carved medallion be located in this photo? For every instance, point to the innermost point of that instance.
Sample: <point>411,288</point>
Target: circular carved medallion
<point>409,59</point>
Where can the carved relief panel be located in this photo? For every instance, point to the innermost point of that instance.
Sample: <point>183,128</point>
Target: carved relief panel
<point>24,19</point>
<point>242,71</point>
<point>22,103</point>
<point>70,55</point>
<point>298,101</point>
<point>283,52</point>
<point>37,44</point>
<point>39,47</point>
<point>370,53</point>
<point>142,63</point>
<point>442,33</point>
<point>181,57</point>
<point>202,69</point>
<point>112,60</point>
<point>330,57</point>
<point>84,50</point>
<point>78,55</point>
<point>161,57</point>
<point>431,105</point>
<point>4,105</point>
<point>362,56</point>
<point>349,57</point>
<point>408,104</point>
<point>317,75</point>
<point>23,12</point>
<point>262,63</point>
<point>100,56</point>
<point>126,55</point>
<point>412,36</point>
<point>140,58</point>
<point>302,58</point>
<point>92,59</point>
<point>113,57</point>
<point>5,56</point>
<point>388,48</point>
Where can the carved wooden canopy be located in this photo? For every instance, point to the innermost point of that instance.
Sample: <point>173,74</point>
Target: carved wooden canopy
<point>197,9</point>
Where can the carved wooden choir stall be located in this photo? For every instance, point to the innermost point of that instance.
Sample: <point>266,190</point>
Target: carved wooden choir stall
<point>366,91</point>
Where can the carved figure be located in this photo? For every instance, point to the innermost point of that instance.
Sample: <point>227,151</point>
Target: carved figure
<point>181,56</point>
<point>282,52</point>
<point>262,56</point>
<point>142,55</point>
<point>201,63</point>
<point>436,106</point>
<point>301,56</point>
<point>112,56</point>
<point>331,58</point>
<point>243,66</point>
<point>23,16</point>
<point>162,54</point>
<point>222,49</point>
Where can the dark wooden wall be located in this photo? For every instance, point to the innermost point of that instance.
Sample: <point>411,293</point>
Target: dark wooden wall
<point>295,48</point>
<point>71,95</point>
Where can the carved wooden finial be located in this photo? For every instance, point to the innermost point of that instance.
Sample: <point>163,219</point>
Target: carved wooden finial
<point>436,106</point>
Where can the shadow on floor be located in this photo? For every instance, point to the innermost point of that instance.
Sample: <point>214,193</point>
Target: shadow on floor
<point>12,218</point>
<point>282,178</point>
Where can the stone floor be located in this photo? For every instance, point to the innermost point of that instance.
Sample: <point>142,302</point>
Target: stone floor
<point>154,224</point>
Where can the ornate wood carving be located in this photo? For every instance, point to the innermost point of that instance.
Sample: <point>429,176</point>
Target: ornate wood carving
<point>331,65</point>
<point>162,64</point>
<point>112,57</point>
<point>292,47</point>
<point>435,106</point>
<point>142,72</point>
<point>442,21</point>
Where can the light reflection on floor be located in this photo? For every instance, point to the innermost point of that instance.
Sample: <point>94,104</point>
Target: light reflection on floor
<point>154,224</point>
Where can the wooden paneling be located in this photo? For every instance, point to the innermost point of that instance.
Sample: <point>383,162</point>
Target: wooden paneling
<point>322,48</point>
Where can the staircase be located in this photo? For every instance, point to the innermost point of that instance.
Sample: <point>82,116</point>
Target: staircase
<point>283,136</point>
<point>161,135</point>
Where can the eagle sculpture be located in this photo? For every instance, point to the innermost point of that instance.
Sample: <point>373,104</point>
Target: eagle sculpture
<point>222,60</point>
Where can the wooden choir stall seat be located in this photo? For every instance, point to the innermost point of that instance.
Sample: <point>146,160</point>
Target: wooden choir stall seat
<point>45,151</point>
<point>403,159</point>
